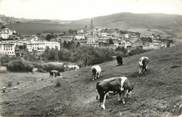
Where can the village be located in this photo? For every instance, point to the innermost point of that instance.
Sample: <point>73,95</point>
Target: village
<point>90,58</point>
<point>14,44</point>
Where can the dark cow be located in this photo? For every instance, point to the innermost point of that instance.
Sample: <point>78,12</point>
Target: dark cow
<point>54,73</point>
<point>118,85</point>
<point>143,64</point>
<point>119,60</point>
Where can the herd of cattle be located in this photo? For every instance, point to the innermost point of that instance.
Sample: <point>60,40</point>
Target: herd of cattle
<point>114,85</point>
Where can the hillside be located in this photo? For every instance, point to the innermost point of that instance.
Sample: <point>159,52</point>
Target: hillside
<point>157,93</point>
<point>160,23</point>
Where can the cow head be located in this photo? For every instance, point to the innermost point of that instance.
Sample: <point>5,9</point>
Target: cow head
<point>94,73</point>
<point>130,90</point>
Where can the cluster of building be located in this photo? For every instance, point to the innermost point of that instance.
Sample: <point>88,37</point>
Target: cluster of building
<point>113,38</point>
<point>11,44</point>
<point>18,47</point>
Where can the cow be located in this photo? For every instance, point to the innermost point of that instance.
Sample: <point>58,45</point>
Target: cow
<point>3,69</point>
<point>143,64</point>
<point>71,67</point>
<point>118,85</point>
<point>34,69</point>
<point>96,72</point>
<point>54,73</point>
<point>119,60</point>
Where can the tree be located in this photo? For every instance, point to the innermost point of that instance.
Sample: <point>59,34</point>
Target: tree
<point>3,26</point>
<point>72,32</point>
<point>49,37</point>
<point>111,41</point>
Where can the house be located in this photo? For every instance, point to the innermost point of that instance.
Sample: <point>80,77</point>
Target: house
<point>18,48</point>
<point>21,49</point>
<point>91,41</point>
<point>5,33</point>
<point>81,31</point>
<point>7,48</point>
<point>40,46</point>
<point>66,38</point>
<point>79,37</point>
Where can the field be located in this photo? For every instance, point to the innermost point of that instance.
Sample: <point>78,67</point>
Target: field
<point>158,93</point>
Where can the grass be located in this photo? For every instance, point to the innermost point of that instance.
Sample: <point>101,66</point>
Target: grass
<point>157,93</point>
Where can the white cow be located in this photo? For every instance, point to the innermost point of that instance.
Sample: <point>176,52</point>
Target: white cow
<point>71,67</point>
<point>96,72</point>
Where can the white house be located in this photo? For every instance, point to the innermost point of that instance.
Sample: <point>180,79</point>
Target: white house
<point>7,48</point>
<point>6,32</point>
<point>40,46</point>
<point>79,37</point>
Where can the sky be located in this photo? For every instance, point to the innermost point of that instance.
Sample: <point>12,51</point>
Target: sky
<point>79,9</point>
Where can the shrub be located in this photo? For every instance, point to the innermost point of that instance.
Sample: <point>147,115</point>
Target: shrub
<point>135,51</point>
<point>6,59</point>
<point>58,84</point>
<point>9,84</point>
<point>19,66</point>
<point>50,66</point>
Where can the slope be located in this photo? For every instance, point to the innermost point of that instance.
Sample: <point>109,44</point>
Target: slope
<point>157,93</point>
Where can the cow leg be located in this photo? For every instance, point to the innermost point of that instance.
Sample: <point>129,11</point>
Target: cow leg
<point>98,75</point>
<point>140,70</point>
<point>103,98</point>
<point>119,97</point>
<point>124,96</point>
<point>146,68</point>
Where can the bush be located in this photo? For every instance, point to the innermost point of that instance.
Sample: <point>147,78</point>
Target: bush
<point>86,55</point>
<point>50,66</point>
<point>6,59</point>
<point>138,50</point>
<point>58,84</point>
<point>19,66</point>
<point>9,84</point>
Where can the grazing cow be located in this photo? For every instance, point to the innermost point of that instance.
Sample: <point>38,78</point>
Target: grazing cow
<point>34,69</point>
<point>54,73</point>
<point>118,85</point>
<point>96,72</point>
<point>143,64</point>
<point>119,60</point>
<point>71,67</point>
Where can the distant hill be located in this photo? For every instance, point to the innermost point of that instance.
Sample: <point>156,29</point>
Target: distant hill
<point>159,23</point>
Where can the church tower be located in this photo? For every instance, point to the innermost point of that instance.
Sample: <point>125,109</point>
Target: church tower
<point>92,37</point>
